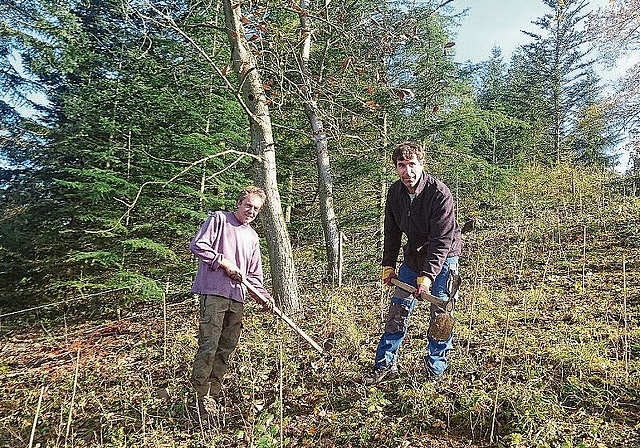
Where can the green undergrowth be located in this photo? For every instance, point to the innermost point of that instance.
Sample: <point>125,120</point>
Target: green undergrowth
<point>546,352</point>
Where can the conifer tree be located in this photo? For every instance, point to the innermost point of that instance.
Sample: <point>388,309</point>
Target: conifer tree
<point>501,139</point>
<point>560,60</point>
<point>114,186</point>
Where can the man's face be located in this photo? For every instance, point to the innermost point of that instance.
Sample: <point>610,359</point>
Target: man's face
<point>409,171</point>
<point>248,208</point>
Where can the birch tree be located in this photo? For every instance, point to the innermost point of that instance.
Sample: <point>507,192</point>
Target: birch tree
<point>255,103</point>
<point>320,141</point>
<point>615,29</point>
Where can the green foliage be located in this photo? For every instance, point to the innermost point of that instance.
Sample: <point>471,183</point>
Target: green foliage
<point>132,137</point>
<point>134,133</point>
<point>139,286</point>
<point>102,258</point>
<point>594,139</point>
<point>157,249</point>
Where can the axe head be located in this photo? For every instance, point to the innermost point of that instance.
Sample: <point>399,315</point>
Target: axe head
<point>444,304</point>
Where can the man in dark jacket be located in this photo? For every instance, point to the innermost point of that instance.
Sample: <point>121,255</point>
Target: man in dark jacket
<point>422,208</point>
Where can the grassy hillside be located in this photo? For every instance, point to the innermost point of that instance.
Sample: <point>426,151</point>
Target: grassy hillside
<point>547,351</point>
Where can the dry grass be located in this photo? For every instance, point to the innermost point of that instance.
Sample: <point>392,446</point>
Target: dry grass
<point>547,352</point>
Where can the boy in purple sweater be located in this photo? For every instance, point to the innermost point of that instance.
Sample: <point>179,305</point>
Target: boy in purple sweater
<point>229,252</point>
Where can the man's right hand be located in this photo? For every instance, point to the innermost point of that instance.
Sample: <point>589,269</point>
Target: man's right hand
<point>233,271</point>
<point>424,286</point>
<point>388,273</point>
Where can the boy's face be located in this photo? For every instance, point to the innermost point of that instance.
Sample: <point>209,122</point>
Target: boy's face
<point>248,208</point>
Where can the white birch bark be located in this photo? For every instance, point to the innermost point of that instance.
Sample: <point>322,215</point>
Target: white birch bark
<point>279,246</point>
<point>325,181</point>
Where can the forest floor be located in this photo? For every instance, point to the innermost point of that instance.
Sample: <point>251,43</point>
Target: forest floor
<point>546,354</point>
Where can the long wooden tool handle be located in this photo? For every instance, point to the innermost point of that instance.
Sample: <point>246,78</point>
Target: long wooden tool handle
<point>284,317</point>
<point>431,298</point>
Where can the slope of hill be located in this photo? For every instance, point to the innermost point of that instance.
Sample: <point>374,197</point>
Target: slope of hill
<point>546,354</point>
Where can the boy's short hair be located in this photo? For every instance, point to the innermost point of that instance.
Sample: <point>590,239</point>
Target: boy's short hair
<point>406,150</point>
<point>252,189</point>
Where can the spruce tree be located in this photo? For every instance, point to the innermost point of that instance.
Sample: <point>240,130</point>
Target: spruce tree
<point>558,60</point>
<point>132,158</point>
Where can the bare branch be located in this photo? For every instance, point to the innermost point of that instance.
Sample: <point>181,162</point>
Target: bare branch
<point>131,206</point>
<point>174,26</point>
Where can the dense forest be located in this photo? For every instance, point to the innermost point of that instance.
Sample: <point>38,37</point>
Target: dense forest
<point>125,123</point>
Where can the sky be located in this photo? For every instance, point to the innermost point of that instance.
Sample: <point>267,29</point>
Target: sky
<point>498,22</point>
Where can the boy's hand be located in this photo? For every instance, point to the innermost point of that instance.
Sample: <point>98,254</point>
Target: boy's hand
<point>267,305</point>
<point>388,273</point>
<point>233,271</point>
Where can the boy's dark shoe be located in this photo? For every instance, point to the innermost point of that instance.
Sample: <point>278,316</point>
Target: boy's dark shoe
<point>205,408</point>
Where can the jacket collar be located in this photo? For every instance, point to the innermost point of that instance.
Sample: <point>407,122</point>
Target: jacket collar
<point>421,184</point>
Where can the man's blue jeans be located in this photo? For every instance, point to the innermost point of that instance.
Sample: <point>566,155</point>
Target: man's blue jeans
<point>402,305</point>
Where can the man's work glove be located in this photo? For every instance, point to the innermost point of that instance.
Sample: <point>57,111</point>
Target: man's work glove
<point>388,273</point>
<point>424,286</point>
<point>233,271</point>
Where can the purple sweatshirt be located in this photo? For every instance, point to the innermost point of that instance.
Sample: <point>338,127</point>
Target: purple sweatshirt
<point>222,235</point>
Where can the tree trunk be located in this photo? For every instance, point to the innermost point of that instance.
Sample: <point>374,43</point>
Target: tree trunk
<point>325,181</point>
<point>382,192</point>
<point>283,273</point>
<point>325,187</point>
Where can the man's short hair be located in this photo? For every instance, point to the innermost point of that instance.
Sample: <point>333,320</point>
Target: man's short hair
<point>252,189</point>
<point>406,150</point>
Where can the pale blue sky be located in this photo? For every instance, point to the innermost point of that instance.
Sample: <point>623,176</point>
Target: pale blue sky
<point>498,22</point>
